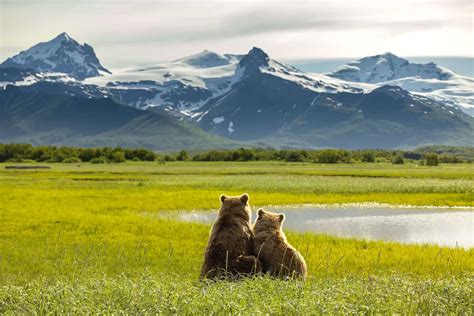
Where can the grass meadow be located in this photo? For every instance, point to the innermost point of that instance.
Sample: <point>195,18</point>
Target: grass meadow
<point>94,238</point>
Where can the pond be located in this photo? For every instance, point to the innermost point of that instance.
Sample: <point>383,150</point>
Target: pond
<point>444,227</point>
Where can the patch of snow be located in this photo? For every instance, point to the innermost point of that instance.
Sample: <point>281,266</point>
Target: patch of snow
<point>311,81</point>
<point>429,80</point>
<point>218,120</point>
<point>230,129</point>
<point>386,67</point>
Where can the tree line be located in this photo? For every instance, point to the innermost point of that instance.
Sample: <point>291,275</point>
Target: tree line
<point>426,155</point>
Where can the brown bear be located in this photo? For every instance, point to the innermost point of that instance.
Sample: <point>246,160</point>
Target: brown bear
<point>278,258</point>
<point>229,252</point>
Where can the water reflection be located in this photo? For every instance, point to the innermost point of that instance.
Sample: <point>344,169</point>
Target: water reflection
<point>441,227</point>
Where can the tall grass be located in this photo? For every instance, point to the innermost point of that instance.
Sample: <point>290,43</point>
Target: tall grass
<point>93,239</point>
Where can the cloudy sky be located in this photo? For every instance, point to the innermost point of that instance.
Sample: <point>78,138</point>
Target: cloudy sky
<point>145,31</point>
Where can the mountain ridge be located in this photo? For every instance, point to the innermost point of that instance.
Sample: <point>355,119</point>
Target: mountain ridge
<point>428,79</point>
<point>40,118</point>
<point>252,98</point>
<point>60,54</point>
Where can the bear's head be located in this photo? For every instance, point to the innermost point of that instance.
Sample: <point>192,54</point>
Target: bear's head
<point>235,206</point>
<point>268,221</point>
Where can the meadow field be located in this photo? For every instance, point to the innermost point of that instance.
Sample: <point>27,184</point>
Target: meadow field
<point>99,238</point>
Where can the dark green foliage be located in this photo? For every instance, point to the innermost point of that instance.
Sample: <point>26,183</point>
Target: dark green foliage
<point>98,160</point>
<point>182,155</point>
<point>20,152</point>
<point>72,160</point>
<point>117,157</point>
<point>332,156</point>
<point>169,158</point>
<point>368,156</point>
<point>398,160</point>
<point>449,159</point>
<point>442,154</point>
<point>462,153</point>
<point>431,159</point>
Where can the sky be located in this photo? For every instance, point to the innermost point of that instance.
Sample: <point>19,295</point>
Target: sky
<point>125,33</point>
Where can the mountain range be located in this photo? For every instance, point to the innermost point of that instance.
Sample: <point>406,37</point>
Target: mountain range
<point>58,92</point>
<point>429,79</point>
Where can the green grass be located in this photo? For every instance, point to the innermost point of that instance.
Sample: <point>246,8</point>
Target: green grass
<point>94,239</point>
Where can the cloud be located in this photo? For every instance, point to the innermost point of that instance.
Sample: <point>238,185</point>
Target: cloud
<point>157,29</point>
<point>203,21</point>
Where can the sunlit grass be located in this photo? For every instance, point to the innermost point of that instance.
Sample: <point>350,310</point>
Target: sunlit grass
<point>171,294</point>
<point>93,238</point>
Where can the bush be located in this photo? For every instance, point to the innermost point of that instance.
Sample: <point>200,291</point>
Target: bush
<point>98,160</point>
<point>24,152</point>
<point>431,159</point>
<point>182,155</point>
<point>328,156</point>
<point>295,156</point>
<point>169,158</point>
<point>72,160</point>
<point>117,157</point>
<point>398,160</point>
<point>16,158</point>
<point>368,157</point>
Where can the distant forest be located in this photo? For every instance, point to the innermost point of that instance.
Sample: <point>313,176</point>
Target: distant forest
<point>429,155</point>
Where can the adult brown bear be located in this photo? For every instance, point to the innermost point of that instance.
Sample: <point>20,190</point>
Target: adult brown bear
<point>229,252</point>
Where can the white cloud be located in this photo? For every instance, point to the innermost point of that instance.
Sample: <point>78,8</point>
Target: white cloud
<point>145,31</point>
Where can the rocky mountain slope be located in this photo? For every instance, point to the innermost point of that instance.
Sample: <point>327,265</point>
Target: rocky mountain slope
<point>61,54</point>
<point>247,98</point>
<point>430,80</point>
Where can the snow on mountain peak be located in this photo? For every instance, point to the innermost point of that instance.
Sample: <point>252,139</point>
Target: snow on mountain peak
<point>387,67</point>
<point>429,79</point>
<point>205,59</point>
<point>61,54</point>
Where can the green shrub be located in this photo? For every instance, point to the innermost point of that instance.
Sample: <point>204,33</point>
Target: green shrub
<point>117,157</point>
<point>169,158</point>
<point>368,157</point>
<point>16,158</point>
<point>98,160</point>
<point>398,160</point>
<point>182,155</point>
<point>431,159</point>
<point>72,160</point>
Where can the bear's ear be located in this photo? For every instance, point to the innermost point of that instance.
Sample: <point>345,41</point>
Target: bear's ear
<point>244,198</point>
<point>281,217</point>
<point>260,212</point>
<point>223,198</point>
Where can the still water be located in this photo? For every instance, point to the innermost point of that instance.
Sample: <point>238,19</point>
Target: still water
<point>433,226</point>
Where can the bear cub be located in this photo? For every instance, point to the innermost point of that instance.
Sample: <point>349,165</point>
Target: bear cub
<point>277,256</point>
<point>229,252</point>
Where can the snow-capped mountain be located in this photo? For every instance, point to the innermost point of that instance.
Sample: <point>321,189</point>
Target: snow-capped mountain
<point>253,98</point>
<point>266,98</point>
<point>387,67</point>
<point>273,102</point>
<point>62,54</point>
<point>184,86</point>
<point>208,59</point>
<point>430,80</point>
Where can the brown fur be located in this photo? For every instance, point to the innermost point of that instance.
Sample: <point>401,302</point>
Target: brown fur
<point>229,252</point>
<point>278,257</point>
